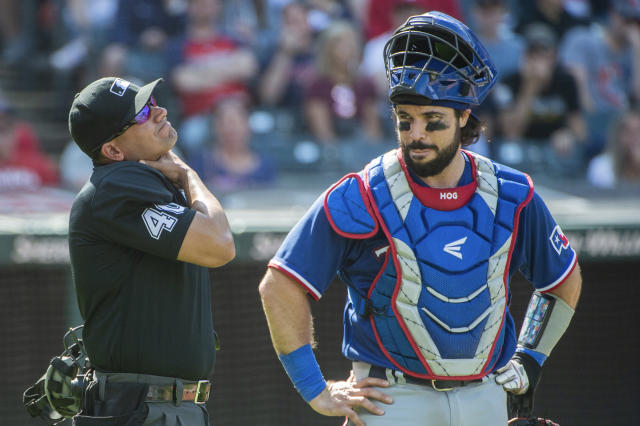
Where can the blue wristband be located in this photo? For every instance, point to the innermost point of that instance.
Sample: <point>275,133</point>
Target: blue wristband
<point>304,372</point>
<point>539,357</point>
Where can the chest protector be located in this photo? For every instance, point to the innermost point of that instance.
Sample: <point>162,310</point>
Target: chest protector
<point>439,301</point>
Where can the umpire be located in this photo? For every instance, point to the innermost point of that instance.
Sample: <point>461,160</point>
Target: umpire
<point>143,232</point>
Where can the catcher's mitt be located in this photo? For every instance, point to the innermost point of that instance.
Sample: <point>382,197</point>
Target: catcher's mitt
<point>531,421</point>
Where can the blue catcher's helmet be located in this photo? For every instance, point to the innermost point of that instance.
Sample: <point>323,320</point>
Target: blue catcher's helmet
<point>437,57</point>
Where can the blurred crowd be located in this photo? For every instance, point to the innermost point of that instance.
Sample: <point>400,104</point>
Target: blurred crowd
<point>261,87</point>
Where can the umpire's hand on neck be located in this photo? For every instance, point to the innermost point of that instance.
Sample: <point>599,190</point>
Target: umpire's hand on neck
<point>172,167</point>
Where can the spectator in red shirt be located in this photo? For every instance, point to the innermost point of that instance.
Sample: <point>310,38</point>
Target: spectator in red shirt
<point>22,164</point>
<point>379,13</point>
<point>208,65</point>
<point>339,101</point>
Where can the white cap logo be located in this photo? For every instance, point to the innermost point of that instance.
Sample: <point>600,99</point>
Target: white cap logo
<point>119,86</point>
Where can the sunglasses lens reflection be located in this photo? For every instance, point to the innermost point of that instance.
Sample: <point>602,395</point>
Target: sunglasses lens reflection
<point>143,115</point>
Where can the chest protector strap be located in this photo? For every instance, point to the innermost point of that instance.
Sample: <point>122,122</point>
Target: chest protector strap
<point>440,303</point>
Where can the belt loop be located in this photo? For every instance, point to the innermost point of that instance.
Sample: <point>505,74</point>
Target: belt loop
<point>102,385</point>
<point>400,379</point>
<point>178,389</point>
<point>391,378</point>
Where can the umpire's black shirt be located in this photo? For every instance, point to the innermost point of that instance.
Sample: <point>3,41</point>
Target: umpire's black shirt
<point>144,311</point>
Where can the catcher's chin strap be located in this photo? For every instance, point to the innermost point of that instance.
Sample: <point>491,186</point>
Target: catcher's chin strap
<point>58,393</point>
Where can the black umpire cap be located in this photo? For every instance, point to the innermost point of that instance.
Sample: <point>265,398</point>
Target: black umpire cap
<point>103,108</point>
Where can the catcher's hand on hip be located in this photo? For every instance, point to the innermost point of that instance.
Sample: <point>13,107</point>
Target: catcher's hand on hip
<point>513,377</point>
<point>340,398</point>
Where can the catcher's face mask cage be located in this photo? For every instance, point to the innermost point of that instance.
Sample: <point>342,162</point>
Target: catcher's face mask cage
<point>58,393</point>
<point>437,57</point>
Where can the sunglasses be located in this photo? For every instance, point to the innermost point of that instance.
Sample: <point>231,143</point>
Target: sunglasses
<point>140,118</point>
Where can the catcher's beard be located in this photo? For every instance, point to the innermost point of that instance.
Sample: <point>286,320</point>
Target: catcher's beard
<point>444,156</point>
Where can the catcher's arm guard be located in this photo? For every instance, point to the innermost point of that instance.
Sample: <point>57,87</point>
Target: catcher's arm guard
<point>546,320</point>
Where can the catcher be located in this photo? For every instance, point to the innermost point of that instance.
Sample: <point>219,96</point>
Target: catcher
<point>427,238</point>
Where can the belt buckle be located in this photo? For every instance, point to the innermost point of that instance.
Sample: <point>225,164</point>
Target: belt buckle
<point>433,385</point>
<point>202,392</point>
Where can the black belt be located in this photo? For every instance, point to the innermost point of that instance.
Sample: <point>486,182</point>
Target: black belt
<point>196,392</point>
<point>437,384</point>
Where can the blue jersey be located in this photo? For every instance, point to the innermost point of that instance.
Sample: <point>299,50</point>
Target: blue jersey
<point>314,252</point>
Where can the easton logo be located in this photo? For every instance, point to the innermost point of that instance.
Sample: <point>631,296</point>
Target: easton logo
<point>453,248</point>
<point>448,195</point>
<point>119,86</point>
<point>558,240</point>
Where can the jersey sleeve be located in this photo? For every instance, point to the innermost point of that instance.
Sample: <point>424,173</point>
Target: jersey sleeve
<point>136,207</point>
<point>312,252</point>
<point>542,252</point>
